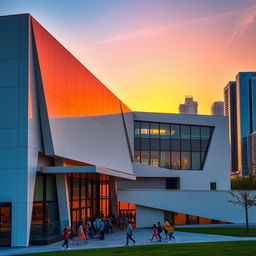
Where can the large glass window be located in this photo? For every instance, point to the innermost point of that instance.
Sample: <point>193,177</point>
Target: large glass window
<point>175,157</point>
<point>45,223</point>
<point>171,146</point>
<point>165,159</point>
<point>185,160</point>
<point>164,131</point>
<point>185,131</point>
<point>175,131</point>
<point>144,130</point>
<point>154,158</point>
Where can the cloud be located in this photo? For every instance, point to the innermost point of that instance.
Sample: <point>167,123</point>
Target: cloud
<point>243,18</point>
<point>244,21</point>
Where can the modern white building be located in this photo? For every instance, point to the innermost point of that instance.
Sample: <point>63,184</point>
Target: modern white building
<point>70,149</point>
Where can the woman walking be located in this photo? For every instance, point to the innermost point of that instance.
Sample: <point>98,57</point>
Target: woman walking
<point>81,234</point>
<point>65,237</point>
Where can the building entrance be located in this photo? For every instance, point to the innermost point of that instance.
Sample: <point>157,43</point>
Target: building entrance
<point>5,224</point>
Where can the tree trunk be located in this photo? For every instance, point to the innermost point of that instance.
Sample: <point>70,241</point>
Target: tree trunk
<point>246,218</point>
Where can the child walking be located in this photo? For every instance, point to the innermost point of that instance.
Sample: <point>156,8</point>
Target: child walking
<point>155,234</point>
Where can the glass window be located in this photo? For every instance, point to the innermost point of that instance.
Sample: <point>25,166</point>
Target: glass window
<point>165,159</point>
<point>83,189</point>
<point>144,144</point>
<point>154,144</point>
<point>195,145</point>
<point>155,158</point>
<point>38,194</point>
<point>136,143</point>
<point>185,160</point>
<point>196,161</point>
<point>205,133</point>
<point>144,130</point>
<point>137,129</point>
<point>51,193</point>
<point>175,157</point>
<point>175,131</point>
<point>185,131</point>
<point>154,130</point>
<point>75,189</point>
<point>185,145</point>
<point>164,131</point>
<point>144,157</point>
<point>175,145</point>
<point>137,156</point>
<point>195,132</point>
<point>165,144</point>
<point>204,145</point>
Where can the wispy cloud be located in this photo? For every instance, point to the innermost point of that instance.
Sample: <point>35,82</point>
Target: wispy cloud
<point>243,22</point>
<point>243,19</point>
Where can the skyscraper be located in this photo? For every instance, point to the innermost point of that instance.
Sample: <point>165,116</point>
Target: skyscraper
<point>230,111</point>
<point>217,108</point>
<point>189,107</point>
<point>246,116</point>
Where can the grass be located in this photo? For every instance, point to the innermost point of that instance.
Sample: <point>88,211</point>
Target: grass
<point>247,248</point>
<point>221,231</point>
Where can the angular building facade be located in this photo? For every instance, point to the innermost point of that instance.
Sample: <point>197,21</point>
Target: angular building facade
<point>71,150</point>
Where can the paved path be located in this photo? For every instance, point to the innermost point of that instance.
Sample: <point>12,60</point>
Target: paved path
<point>118,239</point>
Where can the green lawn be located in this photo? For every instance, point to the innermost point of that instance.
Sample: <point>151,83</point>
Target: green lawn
<point>220,231</point>
<point>247,248</point>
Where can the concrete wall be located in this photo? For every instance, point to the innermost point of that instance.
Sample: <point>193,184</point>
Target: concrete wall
<point>146,217</point>
<point>208,204</point>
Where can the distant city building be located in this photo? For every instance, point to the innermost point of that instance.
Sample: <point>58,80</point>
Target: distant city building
<point>240,104</point>
<point>189,107</point>
<point>230,111</point>
<point>217,108</point>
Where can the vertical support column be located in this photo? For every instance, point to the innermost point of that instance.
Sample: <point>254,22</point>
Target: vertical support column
<point>63,199</point>
<point>113,195</point>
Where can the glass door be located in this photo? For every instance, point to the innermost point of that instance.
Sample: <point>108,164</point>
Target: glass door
<point>5,224</point>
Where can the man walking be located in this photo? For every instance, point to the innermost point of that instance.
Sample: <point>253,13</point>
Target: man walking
<point>129,234</point>
<point>170,229</point>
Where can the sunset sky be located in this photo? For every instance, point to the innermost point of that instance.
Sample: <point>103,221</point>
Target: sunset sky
<point>153,53</point>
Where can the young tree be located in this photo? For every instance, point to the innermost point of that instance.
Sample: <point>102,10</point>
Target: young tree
<point>244,196</point>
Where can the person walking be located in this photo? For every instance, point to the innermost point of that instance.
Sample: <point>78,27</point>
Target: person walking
<point>65,237</point>
<point>155,234</point>
<point>129,234</point>
<point>81,234</point>
<point>102,230</point>
<point>72,234</point>
<point>159,231</point>
<point>169,229</point>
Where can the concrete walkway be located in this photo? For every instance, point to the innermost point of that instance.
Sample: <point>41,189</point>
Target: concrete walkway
<point>118,239</point>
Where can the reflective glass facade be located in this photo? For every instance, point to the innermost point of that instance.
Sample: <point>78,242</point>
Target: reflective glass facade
<point>171,146</point>
<point>89,197</point>
<point>45,223</point>
<point>246,106</point>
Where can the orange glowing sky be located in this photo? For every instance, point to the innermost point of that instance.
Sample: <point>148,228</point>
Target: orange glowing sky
<point>151,53</point>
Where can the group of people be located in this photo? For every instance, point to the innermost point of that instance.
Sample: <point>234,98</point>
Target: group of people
<point>168,230</point>
<point>94,228</point>
<point>98,227</point>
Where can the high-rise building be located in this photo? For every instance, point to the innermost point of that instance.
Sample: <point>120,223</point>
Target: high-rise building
<point>246,116</point>
<point>189,107</point>
<point>217,108</point>
<point>230,111</point>
<point>252,152</point>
